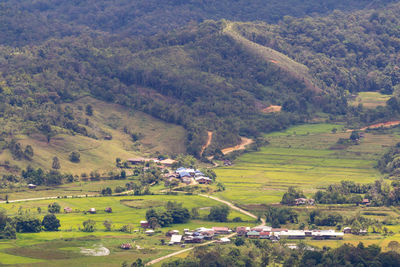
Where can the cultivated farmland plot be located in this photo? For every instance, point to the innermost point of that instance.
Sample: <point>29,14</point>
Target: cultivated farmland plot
<point>302,157</point>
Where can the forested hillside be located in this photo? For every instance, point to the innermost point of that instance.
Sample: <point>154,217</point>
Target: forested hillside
<point>25,22</point>
<point>217,75</point>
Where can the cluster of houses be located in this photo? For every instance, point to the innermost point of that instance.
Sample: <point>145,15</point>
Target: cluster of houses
<point>163,162</point>
<point>188,176</point>
<point>199,235</point>
<point>304,201</point>
<point>275,234</point>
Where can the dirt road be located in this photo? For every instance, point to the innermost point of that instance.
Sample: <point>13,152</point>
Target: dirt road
<point>42,198</point>
<point>208,143</point>
<point>245,142</point>
<point>210,242</point>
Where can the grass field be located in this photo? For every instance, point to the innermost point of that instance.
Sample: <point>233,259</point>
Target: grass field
<point>63,247</point>
<point>301,157</point>
<point>371,99</point>
<point>100,154</point>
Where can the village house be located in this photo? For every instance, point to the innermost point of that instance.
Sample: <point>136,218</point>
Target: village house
<point>67,210</point>
<point>149,232</point>
<point>108,210</point>
<point>292,234</point>
<point>347,230</point>
<point>304,201</point>
<point>221,230</point>
<point>327,234</point>
<point>265,235</point>
<point>144,224</point>
<point>92,211</point>
<point>172,232</point>
<point>31,186</point>
<point>136,161</point>
<point>253,234</point>
<point>242,230</point>
<point>365,202</point>
<point>126,246</point>
<point>175,239</point>
<point>168,162</point>
<point>203,180</point>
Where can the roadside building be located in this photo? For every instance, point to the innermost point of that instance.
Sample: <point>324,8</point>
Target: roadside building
<point>253,234</point>
<point>347,230</point>
<point>242,230</point>
<point>31,186</point>
<point>221,230</point>
<point>175,239</point>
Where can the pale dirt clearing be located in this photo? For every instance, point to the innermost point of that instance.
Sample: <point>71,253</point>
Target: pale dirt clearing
<point>208,143</point>
<point>245,142</point>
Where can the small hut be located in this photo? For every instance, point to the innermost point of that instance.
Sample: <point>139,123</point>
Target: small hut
<point>108,210</point>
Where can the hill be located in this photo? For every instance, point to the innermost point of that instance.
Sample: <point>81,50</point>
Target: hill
<point>113,132</point>
<point>217,76</point>
<point>25,22</point>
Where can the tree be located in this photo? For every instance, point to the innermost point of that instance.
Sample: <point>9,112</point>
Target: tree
<point>239,241</point>
<point>107,224</point>
<point>138,263</point>
<point>106,191</point>
<point>89,226</point>
<point>153,223</point>
<point>219,214</point>
<point>56,164</point>
<point>54,208</point>
<point>50,222</point>
<point>28,152</point>
<point>89,110</point>
<point>354,136</point>
<point>27,224</point>
<point>75,157</point>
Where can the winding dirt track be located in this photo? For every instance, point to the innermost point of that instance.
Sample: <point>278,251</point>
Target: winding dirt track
<point>208,143</point>
<point>245,142</point>
<point>210,242</point>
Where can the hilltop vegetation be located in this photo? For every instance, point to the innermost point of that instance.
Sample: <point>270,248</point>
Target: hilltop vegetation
<point>213,76</point>
<point>25,22</point>
<point>130,133</point>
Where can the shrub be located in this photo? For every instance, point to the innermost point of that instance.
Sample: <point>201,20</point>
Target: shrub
<point>89,226</point>
<point>51,223</point>
<point>75,157</point>
<point>54,208</point>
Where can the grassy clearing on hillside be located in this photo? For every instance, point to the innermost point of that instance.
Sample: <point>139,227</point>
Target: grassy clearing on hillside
<point>62,248</point>
<point>100,154</point>
<point>370,99</point>
<point>304,160</point>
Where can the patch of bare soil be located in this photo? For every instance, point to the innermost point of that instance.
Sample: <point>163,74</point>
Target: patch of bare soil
<point>272,109</point>
<point>245,142</point>
<point>383,124</point>
<point>96,251</point>
<point>208,143</point>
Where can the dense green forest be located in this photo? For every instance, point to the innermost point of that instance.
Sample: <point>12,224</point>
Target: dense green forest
<point>201,76</point>
<point>23,22</point>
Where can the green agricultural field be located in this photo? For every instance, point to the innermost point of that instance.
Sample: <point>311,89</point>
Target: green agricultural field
<point>63,247</point>
<point>302,157</point>
<point>371,99</point>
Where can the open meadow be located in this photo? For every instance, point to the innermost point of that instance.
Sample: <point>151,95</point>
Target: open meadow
<point>97,153</point>
<point>63,247</point>
<point>302,156</point>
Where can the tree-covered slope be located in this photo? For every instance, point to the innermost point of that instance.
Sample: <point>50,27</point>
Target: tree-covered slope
<point>25,21</point>
<point>215,76</point>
